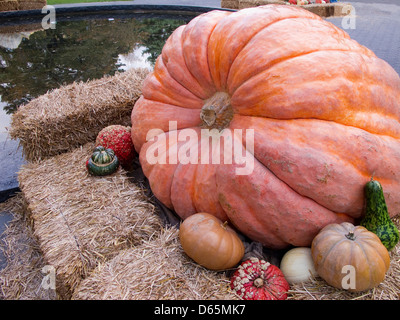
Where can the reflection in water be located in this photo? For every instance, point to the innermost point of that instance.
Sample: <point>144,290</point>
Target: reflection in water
<point>12,40</point>
<point>77,51</point>
<point>137,58</point>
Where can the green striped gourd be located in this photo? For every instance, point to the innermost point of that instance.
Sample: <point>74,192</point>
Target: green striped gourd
<point>102,162</point>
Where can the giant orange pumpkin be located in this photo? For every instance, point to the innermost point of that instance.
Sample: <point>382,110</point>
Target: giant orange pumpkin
<point>324,111</point>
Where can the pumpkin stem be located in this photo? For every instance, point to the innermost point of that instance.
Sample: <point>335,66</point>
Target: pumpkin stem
<point>258,283</point>
<point>350,235</point>
<point>217,111</point>
<point>224,224</point>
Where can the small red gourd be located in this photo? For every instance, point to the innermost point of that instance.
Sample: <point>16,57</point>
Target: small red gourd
<point>257,279</point>
<point>118,138</point>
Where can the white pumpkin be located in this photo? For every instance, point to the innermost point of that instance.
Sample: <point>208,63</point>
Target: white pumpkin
<point>297,265</point>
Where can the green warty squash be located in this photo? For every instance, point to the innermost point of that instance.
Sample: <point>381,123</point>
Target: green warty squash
<point>377,219</point>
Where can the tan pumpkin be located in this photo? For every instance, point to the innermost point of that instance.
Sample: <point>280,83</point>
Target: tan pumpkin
<point>350,257</point>
<point>324,109</point>
<point>210,242</point>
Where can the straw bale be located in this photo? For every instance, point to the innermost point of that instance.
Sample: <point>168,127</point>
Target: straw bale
<point>82,220</point>
<point>72,115</point>
<point>243,4</point>
<point>389,289</point>
<point>323,10</point>
<point>230,4</point>
<point>22,277</point>
<point>8,5</point>
<point>31,4</point>
<point>158,269</point>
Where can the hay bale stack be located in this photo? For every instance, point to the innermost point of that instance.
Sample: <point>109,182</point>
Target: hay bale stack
<point>72,115</point>
<point>156,270</point>
<point>82,220</point>
<point>243,4</point>
<point>324,10</point>
<point>31,4</point>
<point>336,9</point>
<point>230,4</point>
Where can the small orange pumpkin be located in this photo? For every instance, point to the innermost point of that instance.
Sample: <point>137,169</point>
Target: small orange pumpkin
<point>210,242</point>
<point>349,257</point>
